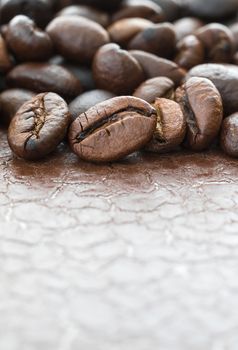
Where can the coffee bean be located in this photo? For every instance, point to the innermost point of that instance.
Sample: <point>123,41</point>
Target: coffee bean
<point>6,61</point>
<point>38,10</point>
<point>44,77</point>
<point>186,26</point>
<point>26,41</point>
<point>229,135</point>
<point>39,126</point>
<point>116,70</point>
<point>139,8</point>
<point>170,127</point>
<point>225,78</point>
<point>87,100</point>
<point>154,66</point>
<point>154,88</point>
<point>10,101</point>
<point>77,38</point>
<point>218,42</point>
<point>159,39</point>
<point>171,9</point>
<point>123,30</point>
<point>112,129</point>
<point>201,104</point>
<point>190,52</point>
<point>215,9</point>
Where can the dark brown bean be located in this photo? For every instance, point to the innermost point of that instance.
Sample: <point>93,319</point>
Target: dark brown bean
<point>116,70</point>
<point>112,129</point>
<point>201,104</point>
<point>77,38</point>
<point>229,135</point>
<point>39,126</point>
<point>44,77</point>
<point>170,127</point>
<point>190,52</point>
<point>6,62</point>
<point>215,9</point>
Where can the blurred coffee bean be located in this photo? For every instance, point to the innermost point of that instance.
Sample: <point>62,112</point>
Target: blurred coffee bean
<point>44,77</point>
<point>159,39</point>
<point>225,78</point>
<point>38,10</point>
<point>201,104</point>
<point>190,52</point>
<point>26,41</point>
<point>10,101</point>
<point>229,135</point>
<point>234,30</point>
<point>186,26</point>
<point>116,70</point>
<point>77,38</point>
<point>139,8</point>
<point>153,88</point>
<point>210,9</point>
<point>170,127</point>
<point>154,66</point>
<point>171,9</point>
<point>87,100</point>
<point>6,61</point>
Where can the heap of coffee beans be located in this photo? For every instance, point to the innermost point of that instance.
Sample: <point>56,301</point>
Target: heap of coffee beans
<point>112,77</point>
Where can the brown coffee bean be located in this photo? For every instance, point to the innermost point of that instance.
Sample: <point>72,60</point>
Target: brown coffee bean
<point>112,129</point>
<point>6,61</point>
<point>139,8</point>
<point>201,104</point>
<point>229,135</point>
<point>154,66</point>
<point>170,127</point>
<point>44,77</point>
<point>116,70</point>
<point>154,88</point>
<point>10,101</point>
<point>159,39</point>
<point>123,30</point>
<point>190,52</point>
<point>77,38</point>
<point>225,78</point>
<point>26,41</point>
<point>218,42</point>
<point>39,126</point>
<point>87,100</point>
<point>186,26</point>
<point>214,9</point>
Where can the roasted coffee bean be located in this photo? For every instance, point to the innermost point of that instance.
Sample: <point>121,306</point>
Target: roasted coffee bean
<point>225,78</point>
<point>116,70</point>
<point>229,135</point>
<point>186,26</point>
<point>38,10</point>
<point>89,12</point>
<point>154,66</point>
<point>159,39</point>
<point>139,8</point>
<point>218,42</point>
<point>77,38</point>
<point>154,88</point>
<point>214,9</point>
<point>44,77</point>
<point>171,9</point>
<point>123,30</point>
<point>170,127</point>
<point>112,129</point>
<point>39,126</point>
<point>190,52</point>
<point>10,101</point>
<point>26,41</point>
<point>201,104</point>
<point>87,100</point>
<point>6,61</point>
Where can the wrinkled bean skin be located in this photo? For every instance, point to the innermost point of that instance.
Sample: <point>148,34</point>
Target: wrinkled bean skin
<point>170,127</point>
<point>26,41</point>
<point>153,88</point>
<point>10,101</point>
<point>116,70</point>
<point>201,104</point>
<point>39,126</point>
<point>229,135</point>
<point>43,77</point>
<point>112,129</point>
<point>77,38</point>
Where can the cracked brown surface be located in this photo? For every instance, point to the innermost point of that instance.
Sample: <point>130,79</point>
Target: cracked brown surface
<point>141,254</point>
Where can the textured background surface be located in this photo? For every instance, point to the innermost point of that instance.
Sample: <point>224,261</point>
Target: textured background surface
<point>140,255</point>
